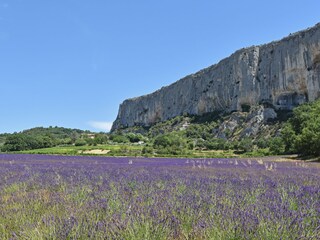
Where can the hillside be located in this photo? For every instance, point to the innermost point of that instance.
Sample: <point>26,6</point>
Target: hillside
<point>41,137</point>
<point>243,131</point>
<point>258,131</point>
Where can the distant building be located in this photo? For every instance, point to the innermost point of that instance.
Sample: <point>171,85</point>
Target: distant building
<point>90,135</point>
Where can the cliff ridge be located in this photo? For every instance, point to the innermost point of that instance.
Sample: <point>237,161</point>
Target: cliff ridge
<point>280,75</point>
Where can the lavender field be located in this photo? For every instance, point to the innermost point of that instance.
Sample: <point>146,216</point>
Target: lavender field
<point>65,197</point>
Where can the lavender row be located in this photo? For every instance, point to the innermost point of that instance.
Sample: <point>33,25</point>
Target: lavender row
<point>65,197</point>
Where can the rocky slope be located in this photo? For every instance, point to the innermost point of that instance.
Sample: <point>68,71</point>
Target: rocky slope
<point>280,75</point>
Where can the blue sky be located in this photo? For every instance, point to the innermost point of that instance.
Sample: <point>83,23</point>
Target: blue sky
<point>71,63</point>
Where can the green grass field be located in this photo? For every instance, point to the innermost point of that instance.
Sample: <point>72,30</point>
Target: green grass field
<point>127,150</point>
<point>81,150</point>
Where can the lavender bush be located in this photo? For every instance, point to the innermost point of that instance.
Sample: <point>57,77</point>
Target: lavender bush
<point>65,197</point>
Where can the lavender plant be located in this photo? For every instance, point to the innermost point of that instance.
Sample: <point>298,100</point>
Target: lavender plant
<point>65,197</point>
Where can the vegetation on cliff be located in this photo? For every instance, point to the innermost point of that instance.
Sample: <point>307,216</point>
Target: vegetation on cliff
<point>296,132</point>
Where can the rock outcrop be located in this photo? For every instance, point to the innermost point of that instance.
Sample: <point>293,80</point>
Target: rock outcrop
<point>280,75</point>
<point>239,125</point>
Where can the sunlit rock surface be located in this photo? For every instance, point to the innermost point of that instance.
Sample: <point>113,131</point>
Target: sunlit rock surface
<point>281,75</point>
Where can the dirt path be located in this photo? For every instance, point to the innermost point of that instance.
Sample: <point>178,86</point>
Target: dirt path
<point>96,151</point>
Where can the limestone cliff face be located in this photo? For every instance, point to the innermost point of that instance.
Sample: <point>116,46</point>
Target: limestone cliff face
<point>282,74</point>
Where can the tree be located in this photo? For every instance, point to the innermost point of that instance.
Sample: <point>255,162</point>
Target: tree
<point>118,138</point>
<point>80,142</point>
<point>289,137</point>
<point>15,142</point>
<point>133,138</point>
<point>276,145</point>
<point>21,141</point>
<point>162,141</point>
<point>301,134</point>
<point>308,142</point>
<point>171,143</point>
<point>245,145</point>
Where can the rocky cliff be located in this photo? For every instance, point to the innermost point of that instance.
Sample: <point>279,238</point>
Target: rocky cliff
<point>281,74</point>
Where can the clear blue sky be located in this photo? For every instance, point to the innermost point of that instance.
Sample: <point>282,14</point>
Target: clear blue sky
<point>71,63</point>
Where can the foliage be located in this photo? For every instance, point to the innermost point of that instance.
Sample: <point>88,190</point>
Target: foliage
<point>171,143</point>
<point>185,135</point>
<point>136,137</point>
<point>3,137</point>
<point>168,126</point>
<point>40,137</point>
<point>262,143</point>
<point>245,107</point>
<point>217,144</point>
<point>118,138</point>
<point>276,146</point>
<point>302,132</point>
<point>206,117</point>
<point>56,132</point>
<point>80,142</point>
<point>99,138</point>
<point>19,142</point>
<point>146,150</point>
<point>245,145</point>
<point>288,136</point>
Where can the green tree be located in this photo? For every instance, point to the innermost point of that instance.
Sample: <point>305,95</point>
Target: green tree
<point>302,132</point>
<point>245,145</point>
<point>119,138</point>
<point>262,143</point>
<point>21,141</point>
<point>162,141</point>
<point>15,142</point>
<point>276,145</point>
<point>80,142</point>
<point>171,143</point>
<point>147,150</point>
<point>289,138</point>
<point>135,137</point>
<point>308,142</point>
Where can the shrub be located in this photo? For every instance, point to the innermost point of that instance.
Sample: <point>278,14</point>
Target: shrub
<point>119,138</point>
<point>245,145</point>
<point>170,143</point>
<point>277,146</point>
<point>80,142</point>
<point>245,107</point>
<point>147,150</point>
